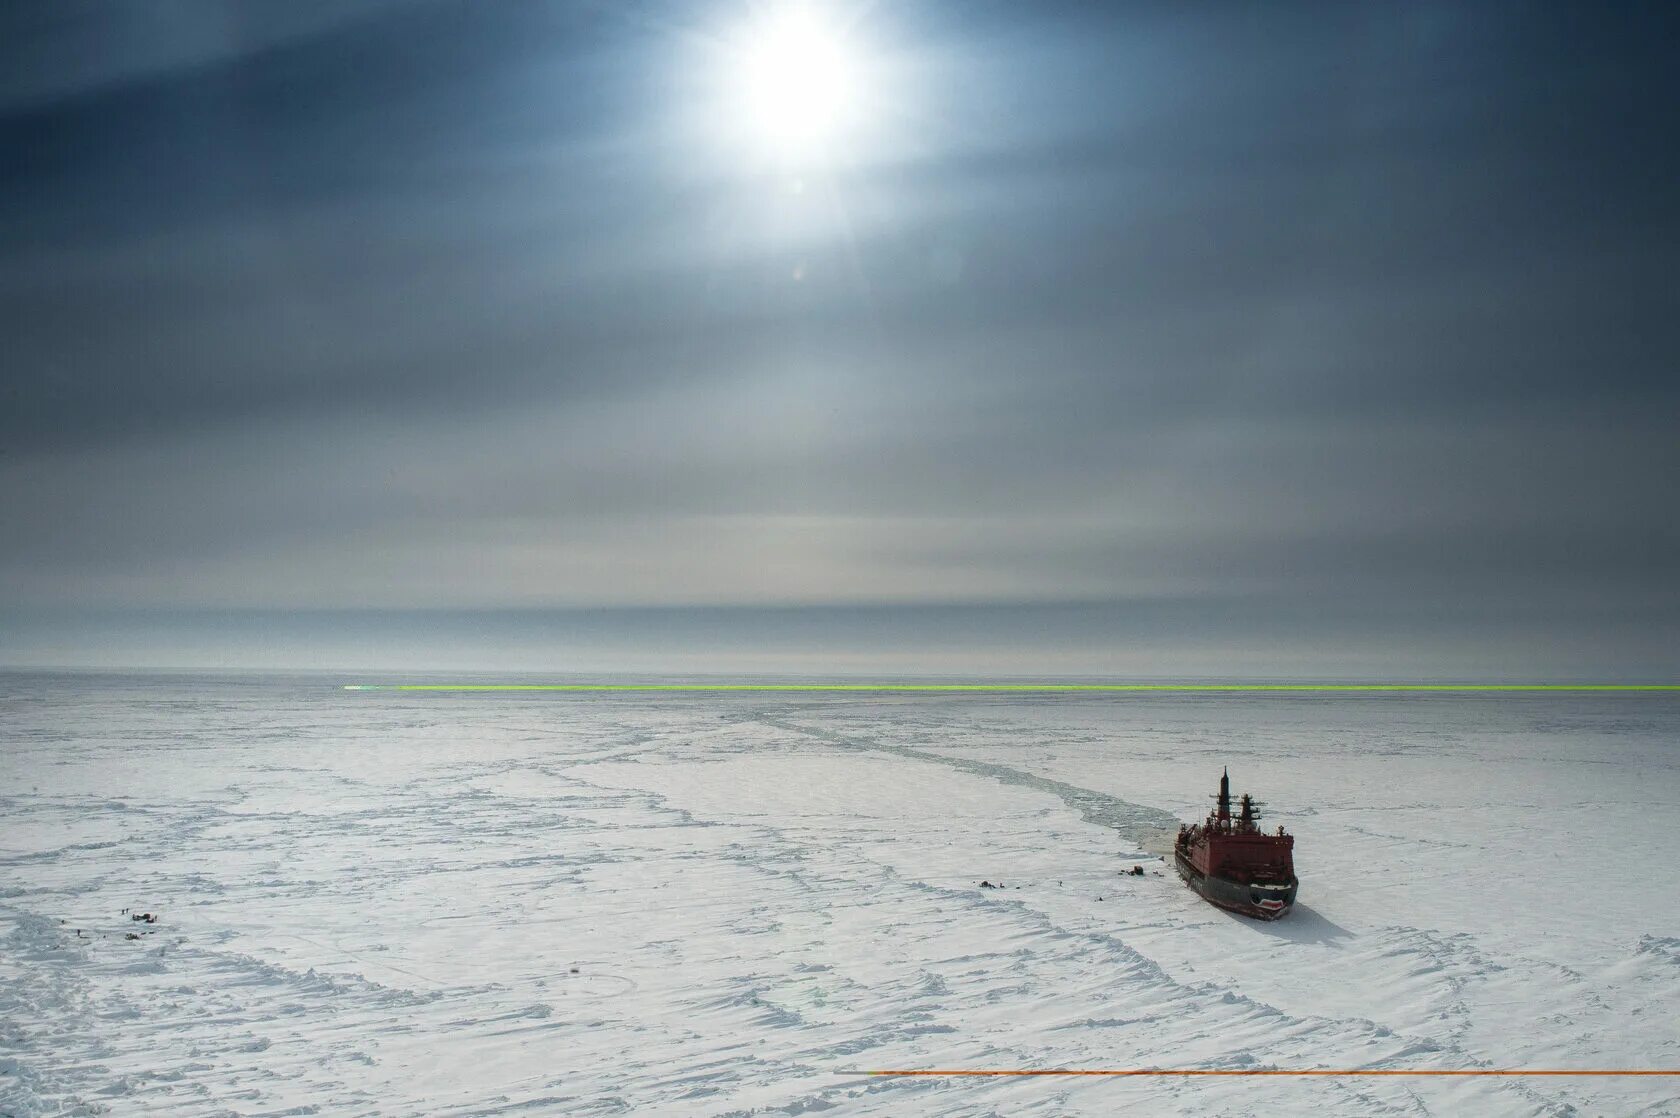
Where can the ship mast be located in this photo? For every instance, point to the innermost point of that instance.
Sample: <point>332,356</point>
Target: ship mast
<point>1225,796</point>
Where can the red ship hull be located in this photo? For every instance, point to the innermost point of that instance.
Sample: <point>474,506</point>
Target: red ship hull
<point>1268,901</point>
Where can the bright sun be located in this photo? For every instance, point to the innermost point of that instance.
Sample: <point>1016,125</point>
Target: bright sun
<point>799,82</point>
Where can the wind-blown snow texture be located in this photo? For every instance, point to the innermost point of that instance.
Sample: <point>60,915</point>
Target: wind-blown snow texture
<point>398,904</point>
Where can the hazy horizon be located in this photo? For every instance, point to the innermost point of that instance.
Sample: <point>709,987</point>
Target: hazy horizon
<point>1141,641</point>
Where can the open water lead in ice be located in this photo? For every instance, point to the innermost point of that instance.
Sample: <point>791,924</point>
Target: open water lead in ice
<point>1234,864</point>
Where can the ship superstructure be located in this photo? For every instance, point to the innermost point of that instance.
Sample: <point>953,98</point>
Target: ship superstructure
<point>1232,863</point>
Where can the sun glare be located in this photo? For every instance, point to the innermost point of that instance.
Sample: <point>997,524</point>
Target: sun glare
<point>799,81</point>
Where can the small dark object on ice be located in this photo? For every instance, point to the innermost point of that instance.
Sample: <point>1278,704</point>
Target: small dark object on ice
<point>132,935</point>
<point>574,970</point>
<point>989,885</point>
<point>1137,871</point>
<point>149,918</point>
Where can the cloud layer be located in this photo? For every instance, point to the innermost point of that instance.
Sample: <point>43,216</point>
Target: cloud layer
<point>1357,314</point>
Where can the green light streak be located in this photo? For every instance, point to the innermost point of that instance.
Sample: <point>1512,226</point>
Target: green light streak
<point>1018,688</point>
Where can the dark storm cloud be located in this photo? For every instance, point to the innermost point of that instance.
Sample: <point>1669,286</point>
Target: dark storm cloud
<point>433,305</point>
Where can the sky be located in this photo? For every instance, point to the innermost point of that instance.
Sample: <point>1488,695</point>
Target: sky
<point>1147,340</point>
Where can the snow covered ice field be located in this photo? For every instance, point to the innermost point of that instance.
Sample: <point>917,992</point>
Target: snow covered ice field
<point>417,904</point>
